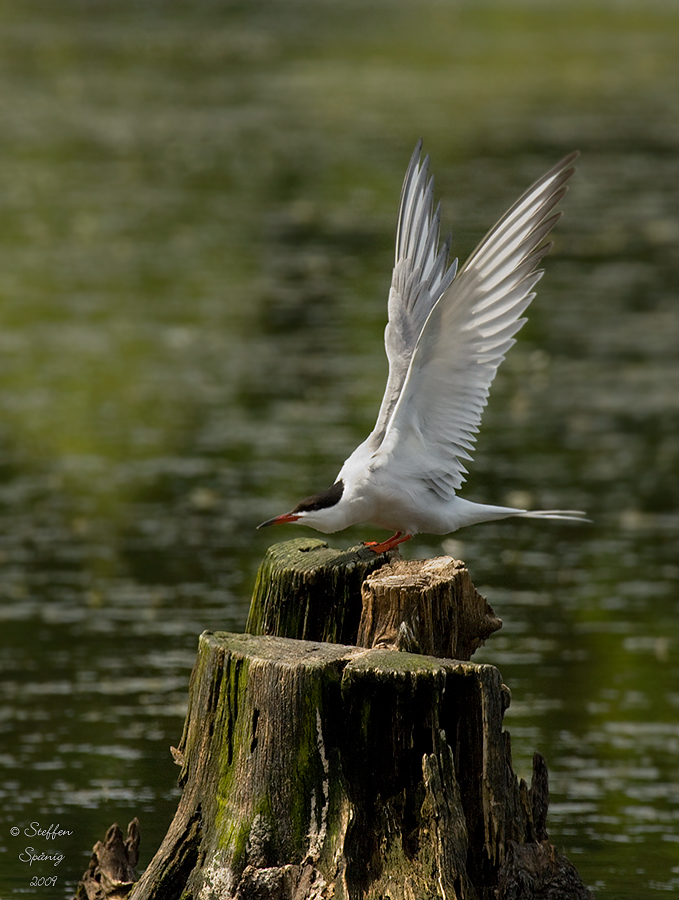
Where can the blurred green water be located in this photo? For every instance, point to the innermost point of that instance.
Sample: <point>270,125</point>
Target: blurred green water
<point>197,216</point>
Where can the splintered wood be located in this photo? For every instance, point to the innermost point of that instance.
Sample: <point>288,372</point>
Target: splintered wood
<point>427,606</point>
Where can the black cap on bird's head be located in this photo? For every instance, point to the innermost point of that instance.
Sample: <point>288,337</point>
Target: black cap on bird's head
<point>312,504</point>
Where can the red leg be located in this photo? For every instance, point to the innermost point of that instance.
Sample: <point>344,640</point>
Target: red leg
<point>389,544</point>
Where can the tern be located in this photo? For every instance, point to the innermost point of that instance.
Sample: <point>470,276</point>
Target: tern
<point>446,335</point>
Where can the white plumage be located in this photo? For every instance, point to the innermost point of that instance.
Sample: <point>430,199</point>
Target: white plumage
<point>447,333</point>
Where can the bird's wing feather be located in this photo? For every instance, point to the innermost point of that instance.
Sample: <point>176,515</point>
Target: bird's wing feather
<point>421,275</point>
<point>432,426</point>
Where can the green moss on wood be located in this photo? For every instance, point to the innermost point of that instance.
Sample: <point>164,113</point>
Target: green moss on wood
<point>307,590</point>
<point>271,755</point>
<point>375,772</point>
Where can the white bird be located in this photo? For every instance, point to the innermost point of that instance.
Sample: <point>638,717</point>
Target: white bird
<point>446,335</point>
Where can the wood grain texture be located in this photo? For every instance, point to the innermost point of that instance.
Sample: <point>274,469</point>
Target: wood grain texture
<point>306,590</point>
<point>317,770</point>
<point>428,606</point>
<point>320,770</point>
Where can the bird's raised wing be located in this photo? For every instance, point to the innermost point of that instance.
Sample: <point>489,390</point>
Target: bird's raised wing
<point>432,426</point>
<point>421,275</point>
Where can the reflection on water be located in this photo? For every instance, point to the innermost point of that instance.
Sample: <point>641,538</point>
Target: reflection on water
<point>197,227</point>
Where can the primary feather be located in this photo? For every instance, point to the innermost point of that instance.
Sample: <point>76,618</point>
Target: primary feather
<point>470,326</point>
<point>421,274</point>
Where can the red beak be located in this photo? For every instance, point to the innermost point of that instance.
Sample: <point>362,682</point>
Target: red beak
<point>280,520</point>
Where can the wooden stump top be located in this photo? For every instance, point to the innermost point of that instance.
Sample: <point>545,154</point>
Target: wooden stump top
<point>428,606</point>
<point>307,590</point>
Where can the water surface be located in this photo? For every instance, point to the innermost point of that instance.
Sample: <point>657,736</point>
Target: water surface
<point>198,205</point>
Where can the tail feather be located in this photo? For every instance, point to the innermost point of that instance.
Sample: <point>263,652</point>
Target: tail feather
<point>466,512</point>
<point>569,515</point>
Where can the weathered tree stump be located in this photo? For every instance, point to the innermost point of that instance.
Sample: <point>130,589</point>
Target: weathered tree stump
<point>306,590</point>
<point>425,606</point>
<point>321,770</point>
<point>315,770</point>
<point>112,869</point>
<point>539,872</point>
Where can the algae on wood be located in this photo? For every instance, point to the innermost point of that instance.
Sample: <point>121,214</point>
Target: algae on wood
<point>315,770</point>
<point>320,770</point>
<point>255,769</point>
<point>306,590</point>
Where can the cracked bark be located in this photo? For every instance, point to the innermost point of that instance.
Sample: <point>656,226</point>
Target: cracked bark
<point>315,770</point>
